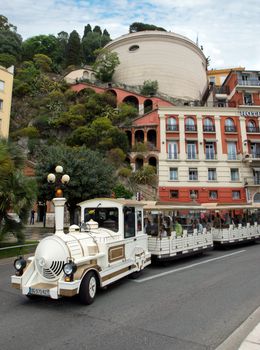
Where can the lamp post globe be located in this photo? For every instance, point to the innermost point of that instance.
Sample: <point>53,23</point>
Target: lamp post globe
<point>51,178</point>
<point>65,179</point>
<point>59,169</point>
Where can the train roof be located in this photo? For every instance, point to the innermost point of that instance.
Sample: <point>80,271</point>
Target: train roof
<point>116,201</point>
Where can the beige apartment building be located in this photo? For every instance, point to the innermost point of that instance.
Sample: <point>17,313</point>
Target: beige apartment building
<point>6,87</point>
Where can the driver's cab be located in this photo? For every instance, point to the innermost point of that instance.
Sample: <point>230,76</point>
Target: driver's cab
<point>119,224</point>
<point>122,216</point>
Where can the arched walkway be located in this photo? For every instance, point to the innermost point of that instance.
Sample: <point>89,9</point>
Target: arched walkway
<point>139,136</point>
<point>139,163</point>
<point>148,105</point>
<point>132,100</point>
<point>153,162</point>
<point>151,139</point>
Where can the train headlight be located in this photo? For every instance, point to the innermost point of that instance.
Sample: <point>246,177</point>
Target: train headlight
<point>69,269</point>
<point>19,265</point>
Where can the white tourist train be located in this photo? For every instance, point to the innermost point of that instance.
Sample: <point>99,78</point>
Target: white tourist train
<point>119,237</point>
<point>95,255</point>
<point>181,230</point>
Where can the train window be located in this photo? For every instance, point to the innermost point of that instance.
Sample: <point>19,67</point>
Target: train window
<point>139,221</point>
<point>129,222</point>
<point>105,217</point>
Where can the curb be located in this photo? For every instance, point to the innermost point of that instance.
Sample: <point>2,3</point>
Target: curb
<point>245,336</point>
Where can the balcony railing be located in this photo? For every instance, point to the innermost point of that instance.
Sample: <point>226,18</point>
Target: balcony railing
<point>172,155</point>
<point>192,155</point>
<point>172,127</point>
<point>210,155</point>
<point>209,128</point>
<point>230,128</point>
<point>252,129</point>
<point>248,82</point>
<point>190,127</point>
<point>255,155</point>
<point>232,156</point>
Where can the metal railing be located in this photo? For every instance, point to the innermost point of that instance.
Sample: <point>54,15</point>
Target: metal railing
<point>210,156</point>
<point>230,128</point>
<point>190,127</point>
<point>248,82</point>
<point>172,155</point>
<point>209,128</point>
<point>192,155</point>
<point>252,129</point>
<point>170,127</point>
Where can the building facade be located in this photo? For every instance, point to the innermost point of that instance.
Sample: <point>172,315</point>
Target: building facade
<point>208,155</point>
<point>6,88</point>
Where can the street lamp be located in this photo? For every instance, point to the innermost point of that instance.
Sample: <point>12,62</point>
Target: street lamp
<point>58,201</point>
<point>58,180</point>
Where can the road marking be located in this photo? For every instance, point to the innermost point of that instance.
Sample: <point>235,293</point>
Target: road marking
<point>141,280</point>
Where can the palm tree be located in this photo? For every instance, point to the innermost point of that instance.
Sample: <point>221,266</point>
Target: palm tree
<point>17,192</point>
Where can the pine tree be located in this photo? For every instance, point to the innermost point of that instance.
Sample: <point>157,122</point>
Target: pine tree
<point>73,54</point>
<point>87,29</point>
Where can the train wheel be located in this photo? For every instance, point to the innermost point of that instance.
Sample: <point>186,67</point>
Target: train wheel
<point>88,288</point>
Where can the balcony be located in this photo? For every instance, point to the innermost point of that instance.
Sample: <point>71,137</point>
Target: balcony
<point>192,156</point>
<point>211,156</point>
<point>232,156</point>
<point>252,129</point>
<point>172,127</point>
<point>172,156</point>
<point>209,128</point>
<point>255,155</point>
<point>248,82</point>
<point>230,128</point>
<point>191,128</point>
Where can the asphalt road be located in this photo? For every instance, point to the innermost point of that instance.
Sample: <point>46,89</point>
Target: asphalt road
<point>191,304</point>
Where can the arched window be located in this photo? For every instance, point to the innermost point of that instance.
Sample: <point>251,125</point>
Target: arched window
<point>251,126</point>
<point>230,125</point>
<point>190,124</point>
<point>172,124</point>
<point>208,125</point>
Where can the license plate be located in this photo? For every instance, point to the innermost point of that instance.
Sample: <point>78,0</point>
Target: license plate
<point>38,291</point>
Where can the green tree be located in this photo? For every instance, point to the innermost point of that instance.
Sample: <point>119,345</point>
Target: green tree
<point>145,175</point>
<point>149,88</point>
<point>120,191</point>
<point>73,54</point>
<point>42,62</point>
<point>105,65</point>
<point>40,44</point>
<point>87,29</point>
<point>90,43</point>
<point>90,175</point>
<point>17,192</point>
<point>10,43</point>
<point>5,25</point>
<point>98,30</point>
<point>139,27</point>
<point>7,60</point>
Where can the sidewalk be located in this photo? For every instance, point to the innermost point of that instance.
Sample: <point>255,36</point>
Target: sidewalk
<point>246,336</point>
<point>252,341</point>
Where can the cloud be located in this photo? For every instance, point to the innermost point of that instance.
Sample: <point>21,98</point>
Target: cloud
<point>228,30</point>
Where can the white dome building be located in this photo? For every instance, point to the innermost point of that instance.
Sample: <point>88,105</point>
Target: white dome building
<point>176,62</point>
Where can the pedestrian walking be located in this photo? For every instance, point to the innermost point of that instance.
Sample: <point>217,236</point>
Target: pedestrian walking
<point>32,217</point>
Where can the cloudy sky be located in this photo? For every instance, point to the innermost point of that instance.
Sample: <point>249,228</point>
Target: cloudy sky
<point>228,30</point>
